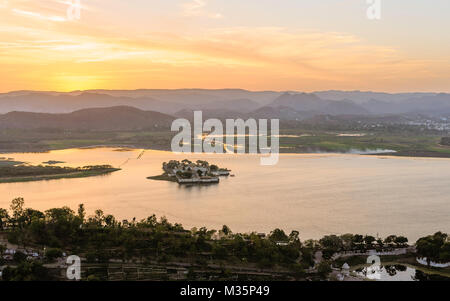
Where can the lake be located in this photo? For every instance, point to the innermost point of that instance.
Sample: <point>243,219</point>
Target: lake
<point>316,194</point>
<point>400,273</point>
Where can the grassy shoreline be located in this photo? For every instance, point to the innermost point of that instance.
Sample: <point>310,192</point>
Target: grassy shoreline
<point>69,175</point>
<point>292,141</point>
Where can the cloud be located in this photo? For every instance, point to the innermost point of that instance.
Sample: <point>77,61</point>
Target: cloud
<point>36,47</point>
<point>197,8</point>
<point>38,15</point>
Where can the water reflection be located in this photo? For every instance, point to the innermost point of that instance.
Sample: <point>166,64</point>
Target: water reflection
<point>400,273</point>
<point>316,194</point>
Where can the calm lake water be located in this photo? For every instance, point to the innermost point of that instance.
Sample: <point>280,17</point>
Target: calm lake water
<point>401,273</point>
<point>315,194</point>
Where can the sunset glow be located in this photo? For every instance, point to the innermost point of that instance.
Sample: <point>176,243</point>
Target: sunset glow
<point>224,44</point>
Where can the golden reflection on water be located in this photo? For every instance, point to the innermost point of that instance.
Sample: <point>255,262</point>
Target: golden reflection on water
<point>315,194</point>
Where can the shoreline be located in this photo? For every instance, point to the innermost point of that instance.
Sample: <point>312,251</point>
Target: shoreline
<point>72,175</point>
<point>398,154</point>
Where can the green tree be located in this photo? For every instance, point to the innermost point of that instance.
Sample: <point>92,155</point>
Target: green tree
<point>81,212</point>
<point>278,235</point>
<point>19,257</point>
<point>430,246</point>
<point>324,269</point>
<point>27,271</point>
<point>401,241</point>
<point>17,210</point>
<point>444,254</point>
<point>331,244</point>
<point>4,217</point>
<point>369,240</point>
<point>390,240</point>
<point>226,230</point>
<point>53,253</point>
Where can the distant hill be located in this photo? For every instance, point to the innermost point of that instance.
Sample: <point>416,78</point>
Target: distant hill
<point>364,96</point>
<point>66,103</point>
<point>104,119</point>
<point>232,103</point>
<point>306,102</point>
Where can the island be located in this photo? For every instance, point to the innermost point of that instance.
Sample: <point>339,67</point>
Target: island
<point>27,173</point>
<point>187,172</point>
<point>53,162</point>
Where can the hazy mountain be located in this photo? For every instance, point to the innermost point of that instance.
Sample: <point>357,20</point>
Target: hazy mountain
<point>50,103</point>
<point>195,96</point>
<point>343,107</point>
<point>355,119</point>
<point>228,103</point>
<point>113,118</point>
<point>365,96</point>
<point>305,102</point>
<point>236,105</point>
<point>221,114</point>
<point>299,102</point>
<point>280,112</point>
<point>53,102</point>
<point>438,104</point>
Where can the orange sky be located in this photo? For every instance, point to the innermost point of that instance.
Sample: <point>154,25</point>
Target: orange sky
<point>222,44</point>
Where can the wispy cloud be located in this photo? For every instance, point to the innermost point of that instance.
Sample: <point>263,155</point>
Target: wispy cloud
<point>38,15</point>
<point>121,52</point>
<point>196,8</point>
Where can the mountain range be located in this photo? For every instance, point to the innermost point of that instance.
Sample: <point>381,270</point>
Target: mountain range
<point>101,119</point>
<point>222,103</point>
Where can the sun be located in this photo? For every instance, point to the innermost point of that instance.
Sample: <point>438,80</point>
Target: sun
<point>67,83</point>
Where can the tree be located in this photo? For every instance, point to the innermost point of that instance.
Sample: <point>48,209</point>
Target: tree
<point>380,243</point>
<point>110,221</point>
<point>4,217</point>
<point>53,253</point>
<point>347,241</point>
<point>226,230</point>
<point>444,254</point>
<point>278,235</point>
<point>30,214</point>
<point>17,209</point>
<point>401,241</point>
<point>81,212</point>
<point>307,257</point>
<point>324,269</point>
<point>332,242</point>
<point>430,246</point>
<point>390,240</point>
<point>357,240</point>
<point>27,271</point>
<point>19,257</point>
<point>369,240</point>
<point>99,217</point>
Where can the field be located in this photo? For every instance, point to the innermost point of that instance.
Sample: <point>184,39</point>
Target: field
<point>404,143</point>
<point>342,142</point>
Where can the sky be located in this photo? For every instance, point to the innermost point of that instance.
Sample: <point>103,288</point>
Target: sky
<point>302,45</point>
